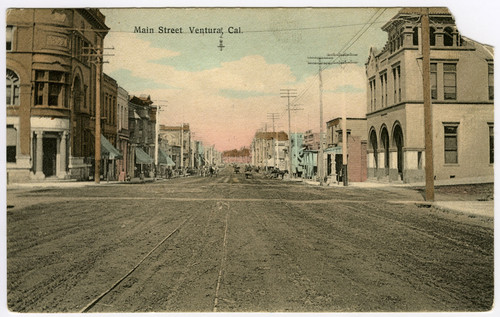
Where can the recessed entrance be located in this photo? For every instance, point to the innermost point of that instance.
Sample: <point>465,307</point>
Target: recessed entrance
<point>49,156</point>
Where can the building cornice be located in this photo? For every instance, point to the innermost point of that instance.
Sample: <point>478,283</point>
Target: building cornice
<point>416,102</point>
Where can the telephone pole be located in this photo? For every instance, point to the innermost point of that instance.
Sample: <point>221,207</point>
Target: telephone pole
<point>96,57</point>
<point>182,147</point>
<point>157,136</point>
<point>321,61</point>
<point>97,156</point>
<point>342,62</point>
<point>273,116</point>
<point>289,93</point>
<point>429,159</point>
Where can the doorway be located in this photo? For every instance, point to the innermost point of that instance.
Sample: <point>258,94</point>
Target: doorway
<point>398,140</point>
<point>49,156</point>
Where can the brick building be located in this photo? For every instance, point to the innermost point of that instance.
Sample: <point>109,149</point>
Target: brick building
<point>51,85</point>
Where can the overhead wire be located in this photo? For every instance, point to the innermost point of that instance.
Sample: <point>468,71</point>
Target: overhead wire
<point>372,20</point>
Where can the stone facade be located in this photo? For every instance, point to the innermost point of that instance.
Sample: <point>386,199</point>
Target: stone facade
<point>462,102</point>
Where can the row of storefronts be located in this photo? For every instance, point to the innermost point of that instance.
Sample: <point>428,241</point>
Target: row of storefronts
<point>54,74</point>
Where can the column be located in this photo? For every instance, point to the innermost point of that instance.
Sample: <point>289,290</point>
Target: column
<point>39,155</point>
<point>62,150</point>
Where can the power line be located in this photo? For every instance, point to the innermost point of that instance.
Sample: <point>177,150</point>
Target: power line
<point>348,44</point>
<point>289,93</point>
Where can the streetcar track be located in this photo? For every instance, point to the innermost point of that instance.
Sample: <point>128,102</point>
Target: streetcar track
<point>222,264</point>
<point>188,265</point>
<point>98,298</point>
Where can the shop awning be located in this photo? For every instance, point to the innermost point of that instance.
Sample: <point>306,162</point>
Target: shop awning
<point>334,150</point>
<point>108,149</point>
<point>164,159</point>
<point>142,157</point>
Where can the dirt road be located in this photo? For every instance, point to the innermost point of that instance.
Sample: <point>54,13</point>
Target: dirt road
<point>235,244</point>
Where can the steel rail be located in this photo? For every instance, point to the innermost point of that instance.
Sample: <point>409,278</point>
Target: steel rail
<point>98,298</point>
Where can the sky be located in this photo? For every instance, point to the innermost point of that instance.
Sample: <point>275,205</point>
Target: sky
<point>226,95</point>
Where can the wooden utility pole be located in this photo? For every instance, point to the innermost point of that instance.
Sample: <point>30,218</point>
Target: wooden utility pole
<point>182,146</point>
<point>320,62</point>
<point>157,136</point>
<point>97,156</point>
<point>96,57</point>
<point>345,139</point>
<point>429,159</point>
<point>273,116</point>
<point>289,93</point>
<point>321,169</point>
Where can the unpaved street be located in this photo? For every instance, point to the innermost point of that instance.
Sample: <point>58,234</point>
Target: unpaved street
<point>231,244</point>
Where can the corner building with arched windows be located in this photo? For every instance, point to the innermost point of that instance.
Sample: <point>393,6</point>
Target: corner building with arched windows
<point>461,75</point>
<point>51,91</point>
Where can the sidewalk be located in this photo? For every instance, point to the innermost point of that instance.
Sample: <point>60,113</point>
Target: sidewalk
<point>75,184</point>
<point>471,207</point>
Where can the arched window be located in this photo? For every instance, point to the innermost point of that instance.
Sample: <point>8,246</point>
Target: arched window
<point>432,37</point>
<point>12,82</point>
<point>77,94</point>
<point>448,36</point>
<point>415,36</point>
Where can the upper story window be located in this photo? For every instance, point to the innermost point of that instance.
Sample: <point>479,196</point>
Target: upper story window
<point>434,80</point>
<point>415,36</point>
<point>396,76</point>
<point>9,37</point>
<point>432,36</point>
<point>450,81</point>
<point>12,92</point>
<point>383,86</point>
<point>448,36</point>
<point>373,93</point>
<point>50,88</point>
<point>491,85</point>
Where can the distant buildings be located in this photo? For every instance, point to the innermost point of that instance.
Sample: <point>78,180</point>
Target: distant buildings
<point>175,138</point>
<point>356,149</point>
<point>141,122</point>
<point>311,140</point>
<point>269,149</point>
<point>241,156</point>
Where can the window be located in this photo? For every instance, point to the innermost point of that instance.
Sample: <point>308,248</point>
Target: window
<point>432,37</point>
<point>434,80</point>
<point>490,81</point>
<point>9,36</point>
<point>11,144</point>
<point>50,88</point>
<point>492,144</point>
<point>450,81</point>
<point>448,37</point>
<point>373,94</point>
<point>450,144</point>
<point>383,86</point>
<point>396,75</point>
<point>415,36</point>
<point>12,92</point>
